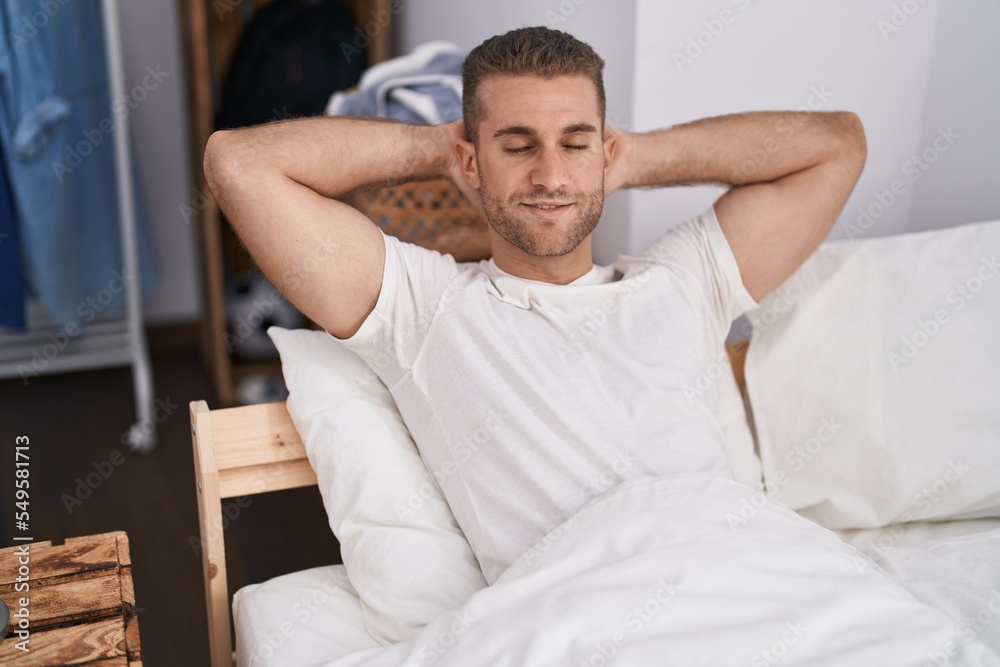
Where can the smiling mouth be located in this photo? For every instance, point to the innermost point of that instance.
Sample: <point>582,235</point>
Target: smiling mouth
<point>547,210</point>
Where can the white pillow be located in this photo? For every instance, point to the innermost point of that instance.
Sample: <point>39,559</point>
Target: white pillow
<point>404,553</point>
<point>874,380</point>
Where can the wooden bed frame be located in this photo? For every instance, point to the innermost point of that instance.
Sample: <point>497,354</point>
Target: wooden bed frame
<point>255,449</point>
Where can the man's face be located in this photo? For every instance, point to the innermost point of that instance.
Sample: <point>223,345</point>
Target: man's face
<point>540,161</point>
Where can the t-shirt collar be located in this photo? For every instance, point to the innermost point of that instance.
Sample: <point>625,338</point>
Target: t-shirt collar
<point>596,276</point>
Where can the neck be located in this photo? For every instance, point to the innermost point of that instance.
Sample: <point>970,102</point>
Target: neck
<point>560,270</point>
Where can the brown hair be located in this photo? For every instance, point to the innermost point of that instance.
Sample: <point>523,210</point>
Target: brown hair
<point>537,51</point>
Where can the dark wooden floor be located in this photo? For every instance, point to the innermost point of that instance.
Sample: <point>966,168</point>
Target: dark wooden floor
<point>75,422</point>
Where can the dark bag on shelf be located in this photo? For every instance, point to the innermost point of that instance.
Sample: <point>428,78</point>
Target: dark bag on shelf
<point>289,62</point>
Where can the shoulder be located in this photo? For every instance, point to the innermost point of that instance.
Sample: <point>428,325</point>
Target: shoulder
<point>681,246</point>
<point>427,273</point>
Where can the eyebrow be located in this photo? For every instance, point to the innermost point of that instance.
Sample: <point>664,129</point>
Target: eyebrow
<point>524,130</point>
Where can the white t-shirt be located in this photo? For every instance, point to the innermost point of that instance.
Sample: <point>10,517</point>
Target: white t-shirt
<point>527,399</point>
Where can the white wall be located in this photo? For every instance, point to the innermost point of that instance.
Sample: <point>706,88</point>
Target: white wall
<point>939,69</point>
<point>963,93</point>
<point>150,37</point>
<point>908,75</point>
<point>776,55</point>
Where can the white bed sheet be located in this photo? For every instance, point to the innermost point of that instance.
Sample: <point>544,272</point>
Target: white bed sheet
<point>313,617</point>
<point>299,619</point>
<point>958,573</point>
<point>872,540</point>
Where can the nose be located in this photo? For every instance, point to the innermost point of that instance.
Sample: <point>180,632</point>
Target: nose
<point>549,170</point>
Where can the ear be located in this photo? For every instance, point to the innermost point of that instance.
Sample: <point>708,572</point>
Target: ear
<point>610,144</point>
<point>615,161</point>
<point>466,152</point>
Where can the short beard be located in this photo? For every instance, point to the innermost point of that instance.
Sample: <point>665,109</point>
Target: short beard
<point>503,218</point>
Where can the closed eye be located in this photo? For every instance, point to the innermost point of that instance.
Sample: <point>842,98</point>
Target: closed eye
<point>523,149</point>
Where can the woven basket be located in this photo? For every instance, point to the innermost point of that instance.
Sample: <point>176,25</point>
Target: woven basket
<point>432,214</point>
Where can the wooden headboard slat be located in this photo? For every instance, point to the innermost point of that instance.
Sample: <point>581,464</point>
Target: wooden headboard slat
<point>253,435</point>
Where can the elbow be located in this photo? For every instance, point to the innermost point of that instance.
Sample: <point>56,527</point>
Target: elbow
<point>213,160</point>
<point>217,162</point>
<point>853,144</point>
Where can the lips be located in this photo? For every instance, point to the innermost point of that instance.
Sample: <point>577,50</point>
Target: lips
<point>547,209</point>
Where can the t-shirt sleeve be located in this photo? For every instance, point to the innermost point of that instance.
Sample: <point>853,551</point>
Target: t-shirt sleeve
<point>413,282</point>
<point>698,254</point>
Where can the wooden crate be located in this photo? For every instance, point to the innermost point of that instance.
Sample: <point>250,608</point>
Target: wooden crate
<point>81,603</point>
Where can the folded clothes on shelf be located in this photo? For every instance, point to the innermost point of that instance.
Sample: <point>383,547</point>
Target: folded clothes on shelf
<point>424,87</point>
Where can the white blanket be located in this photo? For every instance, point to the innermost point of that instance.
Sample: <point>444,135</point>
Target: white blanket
<point>691,571</point>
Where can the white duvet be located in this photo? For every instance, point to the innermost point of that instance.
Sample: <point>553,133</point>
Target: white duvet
<point>698,571</point>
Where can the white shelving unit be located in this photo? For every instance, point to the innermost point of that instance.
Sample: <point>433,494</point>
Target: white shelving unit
<point>108,342</point>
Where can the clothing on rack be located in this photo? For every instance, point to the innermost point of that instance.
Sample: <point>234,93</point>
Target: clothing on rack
<point>424,87</point>
<point>58,136</point>
<point>11,281</point>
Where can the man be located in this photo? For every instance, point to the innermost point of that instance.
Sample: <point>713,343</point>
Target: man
<point>536,381</point>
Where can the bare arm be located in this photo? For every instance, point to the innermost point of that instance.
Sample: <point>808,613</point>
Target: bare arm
<point>276,181</point>
<point>791,173</point>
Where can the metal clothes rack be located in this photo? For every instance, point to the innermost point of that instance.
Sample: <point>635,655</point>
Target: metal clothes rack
<point>111,342</point>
